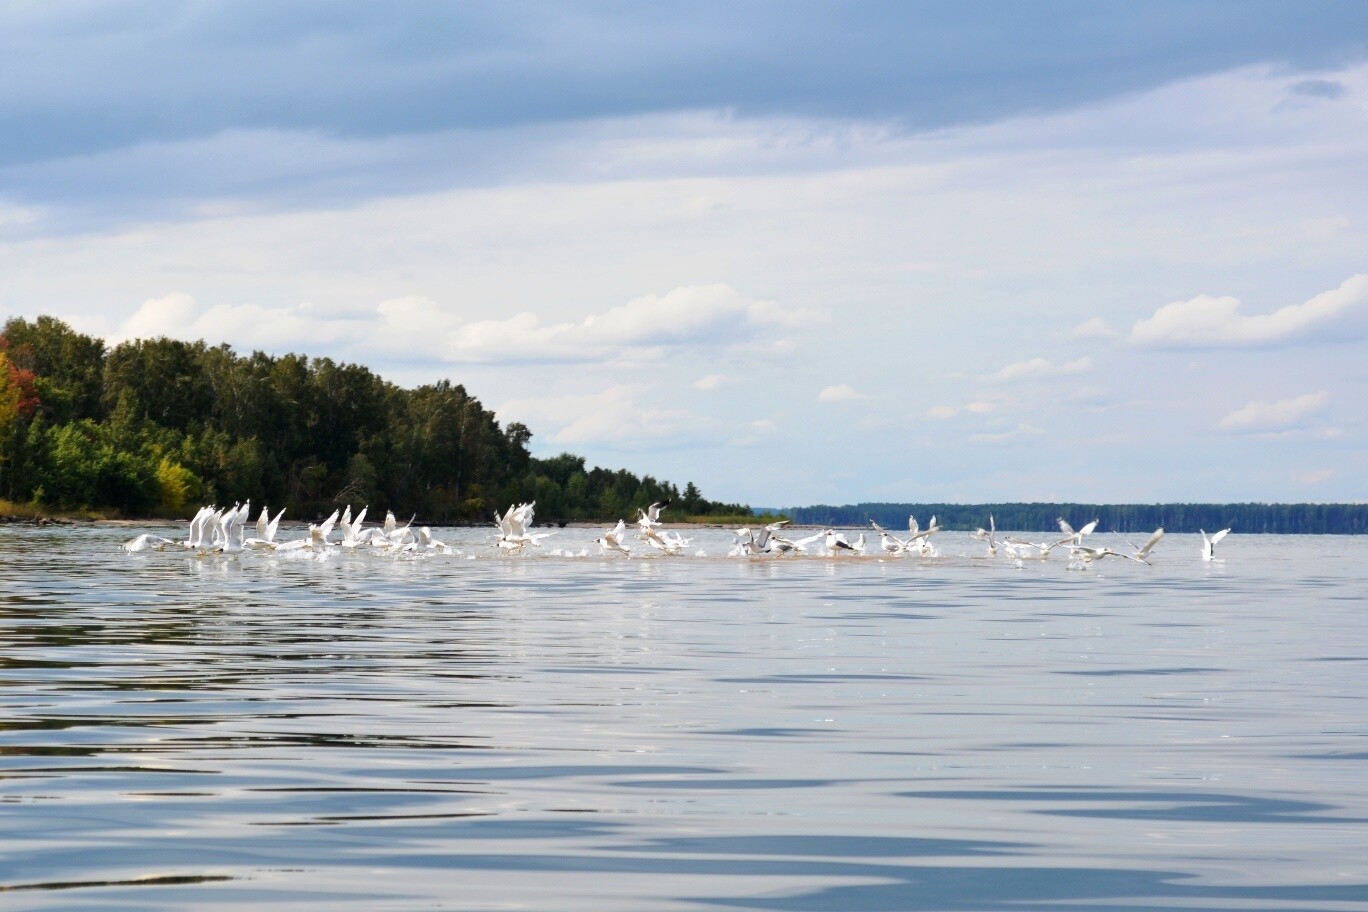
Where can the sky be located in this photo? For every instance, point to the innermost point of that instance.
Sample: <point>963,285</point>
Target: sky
<point>793,252</point>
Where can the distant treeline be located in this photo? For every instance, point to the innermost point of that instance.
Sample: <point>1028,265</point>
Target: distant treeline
<point>160,426</point>
<point>1311,519</point>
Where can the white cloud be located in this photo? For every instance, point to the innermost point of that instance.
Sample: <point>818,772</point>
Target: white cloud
<point>977,407</point>
<point>640,332</point>
<point>247,326</point>
<point>711,316</point>
<point>772,312</point>
<point>1039,368</point>
<point>711,382</point>
<point>1221,195</point>
<point>1283,415</point>
<point>167,316</point>
<point>1319,476</point>
<point>682,315</point>
<point>616,416</point>
<point>17,215</point>
<point>1096,328</point>
<point>1019,432</point>
<point>1207,322</point>
<point>1090,396</point>
<point>413,321</point>
<point>840,393</point>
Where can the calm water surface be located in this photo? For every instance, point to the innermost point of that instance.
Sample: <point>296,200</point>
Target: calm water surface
<point>368,732</point>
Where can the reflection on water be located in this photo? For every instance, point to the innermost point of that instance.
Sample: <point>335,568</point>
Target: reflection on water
<point>671,733</point>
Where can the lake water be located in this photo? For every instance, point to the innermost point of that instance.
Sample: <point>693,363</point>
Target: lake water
<point>372,732</point>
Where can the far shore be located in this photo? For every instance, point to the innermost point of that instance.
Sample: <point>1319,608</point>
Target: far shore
<point>60,520</point>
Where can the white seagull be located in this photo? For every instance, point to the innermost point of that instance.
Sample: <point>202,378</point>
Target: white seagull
<point>1088,555</point>
<point>668,542</point>
<point>890,544</point>
<point>351,528</point>
<point>1042,547</point>
<point>920,538</point>
<point>1209,544</point>
<point>650,516</point>
<point>1142,553</point>
<point>197,538</point>
<point>836,543</point>
<point>318,536</point>
<point>674,542</point>
<point>147,542</point>
<point>1070,536</point>
<point>513,526</point>
<point>266,527</point>
<point>784,545</point>
<point>915,532</point>
<point>614,539</point>
<point>428,543</point>
<point>227,529</point>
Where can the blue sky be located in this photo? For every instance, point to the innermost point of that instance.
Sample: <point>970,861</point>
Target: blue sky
<point>794,252</point>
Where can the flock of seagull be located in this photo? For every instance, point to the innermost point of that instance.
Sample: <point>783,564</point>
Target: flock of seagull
<point>217,531</point>
<point>224,531</point>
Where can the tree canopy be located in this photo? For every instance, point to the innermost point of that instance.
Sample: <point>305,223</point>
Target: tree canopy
<point>158,426</point>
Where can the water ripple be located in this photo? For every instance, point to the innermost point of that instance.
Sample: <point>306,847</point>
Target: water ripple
<point>360,732</point>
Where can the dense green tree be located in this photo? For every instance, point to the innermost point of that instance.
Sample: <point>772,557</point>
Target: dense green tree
<point>161,424</point>
<point>163,378</point>
<point>68,366</point>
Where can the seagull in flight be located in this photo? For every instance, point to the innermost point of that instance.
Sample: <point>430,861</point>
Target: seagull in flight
<point>1088,555</point>
<point>1070,536</point>
<point>781,545</point>
<point>266,527</point>
<point>988,535</point>
<point>672,542</point>
<point>614,539</point>
<point>650,517</point>
<point>1142,553</point>
<point>318,536</point>
<point>198,537</point>
<point>1042,547</point>
<point>890,544</point>
<point>428,543</point>
<point>513,526</point>
<point>147,542</point>
<point>1209,544</point>
<point>915,532</point>
<point>920,538</point>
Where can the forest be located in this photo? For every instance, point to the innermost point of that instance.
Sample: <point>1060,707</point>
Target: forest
<point>1302,518</point>
<point>158,427</point>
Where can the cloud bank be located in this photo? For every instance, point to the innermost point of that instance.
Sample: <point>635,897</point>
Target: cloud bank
<point>841,392</point>
<point>704,317</point>
<point>617,416</point>
<point>1207,322</point>
<point>1282,415</point>
<point>1039,369</point>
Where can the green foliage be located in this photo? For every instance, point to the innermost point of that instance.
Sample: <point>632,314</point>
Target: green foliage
<point>177,486</point>
<point>69,366</point>
<point>9,406</point>
<point>160,425</point>
<point>84,468</point>
<point>567,491</point>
